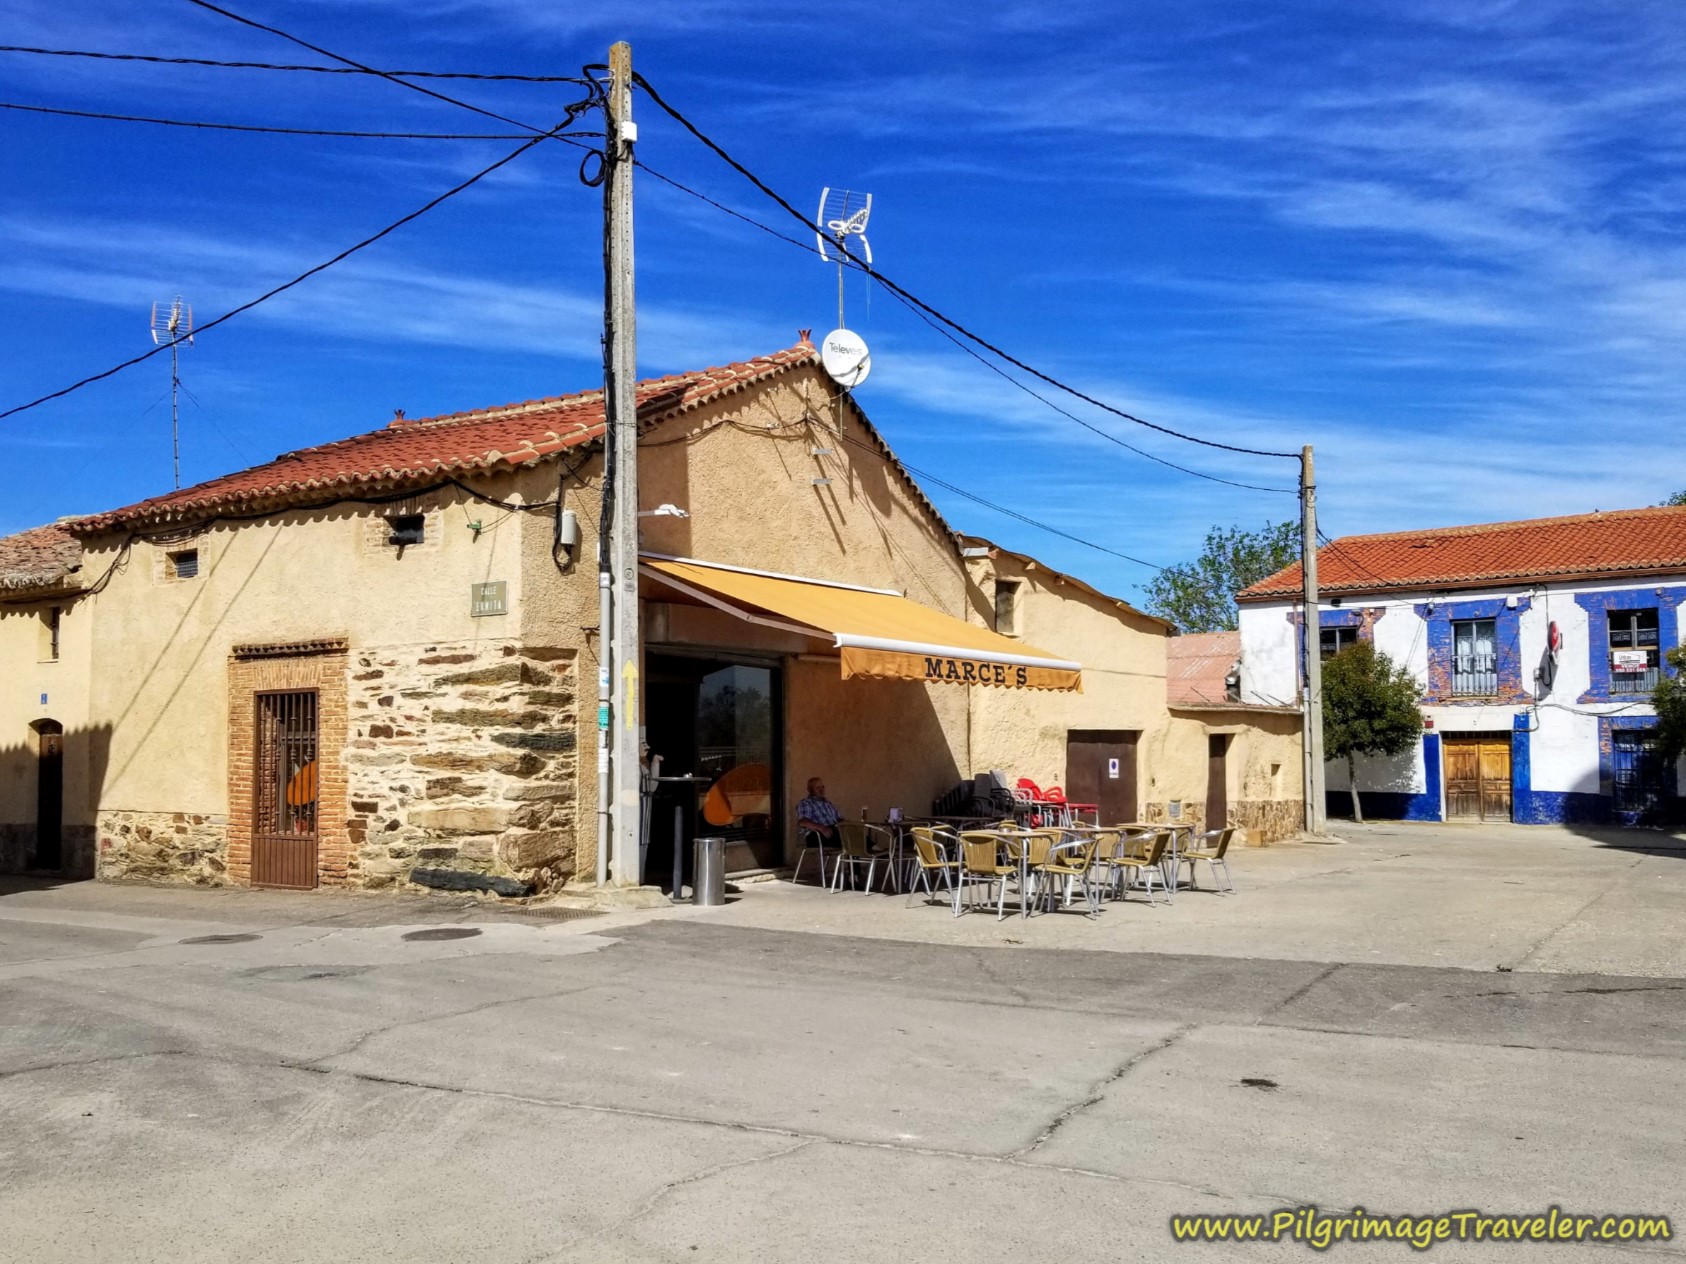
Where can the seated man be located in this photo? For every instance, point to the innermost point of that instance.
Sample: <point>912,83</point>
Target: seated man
<point>817,814</point>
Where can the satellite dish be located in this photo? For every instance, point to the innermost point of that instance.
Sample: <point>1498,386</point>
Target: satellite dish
<point>845,358</point>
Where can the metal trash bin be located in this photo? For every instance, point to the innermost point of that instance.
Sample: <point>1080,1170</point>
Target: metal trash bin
<point>708,871</point>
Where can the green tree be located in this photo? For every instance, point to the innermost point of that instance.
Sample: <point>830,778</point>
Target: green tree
<point>1199,596</point>
<point>1669,698</point>
<point>1679,498</point>
<point>1369,708</point>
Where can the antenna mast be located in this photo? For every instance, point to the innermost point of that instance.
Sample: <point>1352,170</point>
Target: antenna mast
<point>843,214</point>
<point>172,325</point>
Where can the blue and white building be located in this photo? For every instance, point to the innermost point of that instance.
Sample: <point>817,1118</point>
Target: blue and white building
<point>1537,645</point>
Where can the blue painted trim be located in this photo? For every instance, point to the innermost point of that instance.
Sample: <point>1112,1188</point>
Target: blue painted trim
<point>1364,618</point>
<point>1666,602</point>
<point>1507,647</point>
<point>1397,805</point>
<point>1566,807</point>
<point>1524,807</point>
<point>1428,806</point>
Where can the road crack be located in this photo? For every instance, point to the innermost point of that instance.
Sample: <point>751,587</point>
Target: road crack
<point>1099,1092</point>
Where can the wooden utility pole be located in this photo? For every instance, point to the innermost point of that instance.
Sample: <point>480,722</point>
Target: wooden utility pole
<point>619,782</point>
<point>1316,809</point>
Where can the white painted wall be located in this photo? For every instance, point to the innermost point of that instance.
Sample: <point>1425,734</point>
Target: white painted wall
<point>1564,740</point>
<point>1269,655</point>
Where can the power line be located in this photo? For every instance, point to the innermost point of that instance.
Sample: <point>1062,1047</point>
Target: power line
<point>244,127</point>
<point>303,276</point>
<point>1336,550</point>
<point>992,367</point>
<point>357,65</point>
<point>320,70</point>
<point>895,288</point>
<point>928,477</point>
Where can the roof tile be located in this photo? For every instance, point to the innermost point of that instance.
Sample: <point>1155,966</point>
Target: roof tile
<point>1585,545</point>
<point>42,557</point>
<point>406,451</point>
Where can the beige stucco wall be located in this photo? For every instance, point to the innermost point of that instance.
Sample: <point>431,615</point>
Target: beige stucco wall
<point>162,646</point>
<point>1023,732</point>
<point>743,468</point>
<point>31,675</point>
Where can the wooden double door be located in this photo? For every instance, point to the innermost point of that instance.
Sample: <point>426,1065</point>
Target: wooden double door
<point>1477,776</point>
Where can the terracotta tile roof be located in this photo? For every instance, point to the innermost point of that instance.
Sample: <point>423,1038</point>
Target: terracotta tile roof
<point>42,557</point>
<point>1625,541</point>
<point>1196,664</point>
<point>428,450</point>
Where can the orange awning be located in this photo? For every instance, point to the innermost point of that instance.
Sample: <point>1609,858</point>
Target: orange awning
<point>881,634</point>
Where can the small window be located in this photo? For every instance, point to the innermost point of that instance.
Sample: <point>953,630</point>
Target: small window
<point>50,633</point>
<point>1332,641</point>
<point>405,529</point>
<point>1633,651</point>
<point>1007,607</point>
<point>1475,664</point>
<point>184,564</point>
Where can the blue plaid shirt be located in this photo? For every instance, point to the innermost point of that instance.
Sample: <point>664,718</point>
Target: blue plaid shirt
<point>819,811</point>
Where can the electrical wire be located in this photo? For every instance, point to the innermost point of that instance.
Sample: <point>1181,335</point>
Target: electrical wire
<point>895,288</point>
<point>264,65</point>
<point>1335,549</point>
<point>303,276</point>
<point>282,131</point>
<point>993,368</point>
<point>928,477</point>
<point>368,70</point>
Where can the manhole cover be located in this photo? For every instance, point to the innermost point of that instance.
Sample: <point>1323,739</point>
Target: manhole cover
<point>441,932</point>
<point>221,939</point>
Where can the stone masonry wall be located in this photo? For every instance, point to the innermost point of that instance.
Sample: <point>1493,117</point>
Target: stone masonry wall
<point>462,757</point>
<point>1268,820</point>
<point>178,847</point>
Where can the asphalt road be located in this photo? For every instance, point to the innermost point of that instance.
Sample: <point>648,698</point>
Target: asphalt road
<point>681,1090</point>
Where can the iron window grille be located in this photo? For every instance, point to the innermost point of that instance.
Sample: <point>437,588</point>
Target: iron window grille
<point>1475,668</point>
<point>284,790</point>
<point>1638,772</point>
<point>1634,632</point>
<point>184,564</point>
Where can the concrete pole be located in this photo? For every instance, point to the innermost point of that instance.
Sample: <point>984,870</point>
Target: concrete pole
<point>621,412</point>
<point>1316,818</point>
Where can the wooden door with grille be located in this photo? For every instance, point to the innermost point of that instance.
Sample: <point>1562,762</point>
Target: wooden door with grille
<point>1478,777</point>
<point>284,791</point>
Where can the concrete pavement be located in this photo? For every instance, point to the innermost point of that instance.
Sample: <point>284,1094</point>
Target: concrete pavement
<point>699,1086</point>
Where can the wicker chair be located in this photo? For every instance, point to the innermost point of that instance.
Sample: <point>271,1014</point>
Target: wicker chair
<point>932,854</point>
<point>1149,866</point>
<point>1210,847</point>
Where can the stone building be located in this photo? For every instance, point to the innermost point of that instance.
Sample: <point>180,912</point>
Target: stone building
<point>361,663</point>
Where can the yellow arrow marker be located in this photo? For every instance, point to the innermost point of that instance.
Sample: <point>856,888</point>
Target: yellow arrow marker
<point>629,675</point>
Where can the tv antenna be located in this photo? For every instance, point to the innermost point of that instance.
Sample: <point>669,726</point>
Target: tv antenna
<point>172,325</point>
<point>843,214</point>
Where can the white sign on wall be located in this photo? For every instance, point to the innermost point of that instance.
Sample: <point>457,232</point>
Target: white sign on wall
<point>1112,769</point>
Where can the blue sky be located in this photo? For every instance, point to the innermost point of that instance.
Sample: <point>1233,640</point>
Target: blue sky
<point>1442,242</point>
